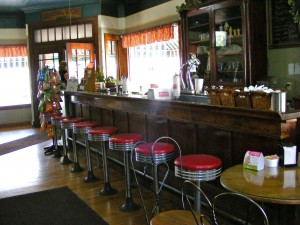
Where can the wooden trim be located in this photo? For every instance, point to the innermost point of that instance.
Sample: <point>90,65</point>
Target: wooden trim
<point>9,107</point>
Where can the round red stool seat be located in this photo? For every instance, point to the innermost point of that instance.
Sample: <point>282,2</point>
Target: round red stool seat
<point>46,117</point>
<point>55,120</point>
<point>124,142</point>
<point>161,152</point>
<point>69,122</point>
<point>84,127</point>
<point>200,167</point>
<point>101,133</point>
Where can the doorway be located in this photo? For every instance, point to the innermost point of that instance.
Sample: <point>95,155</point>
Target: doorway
<point>79,55</point>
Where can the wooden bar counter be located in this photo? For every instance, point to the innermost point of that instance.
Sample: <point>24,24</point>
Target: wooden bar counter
<point>199,128</point>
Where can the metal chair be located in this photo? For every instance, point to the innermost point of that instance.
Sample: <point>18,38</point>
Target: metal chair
<point>238,209</point>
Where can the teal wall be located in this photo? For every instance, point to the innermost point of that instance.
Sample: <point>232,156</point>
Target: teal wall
<point>278,67</point>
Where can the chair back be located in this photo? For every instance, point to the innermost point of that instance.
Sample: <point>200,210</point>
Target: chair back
<point>237,208</point>
<point>133,162</point>
<point>199,218</point>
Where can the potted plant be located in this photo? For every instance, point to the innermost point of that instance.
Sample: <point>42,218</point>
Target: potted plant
<point>99,78</point>
<point>295,11</point>
<point>110,82</point>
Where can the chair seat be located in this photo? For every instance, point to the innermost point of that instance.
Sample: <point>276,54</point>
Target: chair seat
<point>200,162</point>
<point>69,122</point>
<point>124,142</point>
<point>84,127</point>
<point>101,133</point>
<point>176,217</point>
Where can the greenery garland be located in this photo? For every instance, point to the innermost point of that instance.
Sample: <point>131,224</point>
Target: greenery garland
<point>294,11</point>
<point>188,4</point>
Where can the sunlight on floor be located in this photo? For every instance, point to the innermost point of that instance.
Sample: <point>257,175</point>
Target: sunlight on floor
<point>19,168</point>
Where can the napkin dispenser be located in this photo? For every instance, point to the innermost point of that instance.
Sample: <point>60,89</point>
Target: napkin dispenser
<point>288,156</point>
<point>159,93</point>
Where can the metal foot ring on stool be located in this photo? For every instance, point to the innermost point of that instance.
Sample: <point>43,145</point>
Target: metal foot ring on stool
<point>126,142</point>
<point>83,128</point>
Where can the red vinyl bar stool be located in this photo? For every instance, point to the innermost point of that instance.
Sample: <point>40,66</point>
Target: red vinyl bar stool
<point>55,121</point>
<point>198,167</point>
<point>125,142</point>
<point>67,124</point>
<point>102,134</point>
<point>155,153</point>
<point>83,128</point>
<point>46,118</point>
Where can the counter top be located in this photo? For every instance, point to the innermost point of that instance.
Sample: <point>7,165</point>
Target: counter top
<point>197,101</point>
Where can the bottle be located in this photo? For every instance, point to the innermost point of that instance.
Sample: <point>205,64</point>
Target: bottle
<point>176,86</point>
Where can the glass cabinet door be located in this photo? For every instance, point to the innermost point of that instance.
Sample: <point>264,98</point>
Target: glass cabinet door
<point>229,45</point>
<point>199,42</point>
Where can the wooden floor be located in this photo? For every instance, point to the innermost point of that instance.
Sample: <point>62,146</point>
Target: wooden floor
<point>29,170</point>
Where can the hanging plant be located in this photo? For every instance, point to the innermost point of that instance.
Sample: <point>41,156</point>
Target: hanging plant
<point>188,4</point>
<point>294,11</point>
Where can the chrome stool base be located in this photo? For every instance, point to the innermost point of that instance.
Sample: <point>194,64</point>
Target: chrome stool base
<point>77,168</point>
<point>90,177</point>
<point>129,206</point>
<point>107,190</point>
<point>64,160</point>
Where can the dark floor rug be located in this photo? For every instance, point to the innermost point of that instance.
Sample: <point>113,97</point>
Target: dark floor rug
<point>23,142</point>
<point>58,206</point>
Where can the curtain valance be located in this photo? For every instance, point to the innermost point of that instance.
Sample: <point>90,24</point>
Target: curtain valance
<point>13,50</point>
<point>163,33</point>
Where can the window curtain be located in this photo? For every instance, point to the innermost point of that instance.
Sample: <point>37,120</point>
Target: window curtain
<point>163,33</point>
<point>13,50</point>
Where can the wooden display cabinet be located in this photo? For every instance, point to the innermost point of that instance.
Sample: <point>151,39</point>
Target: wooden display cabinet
<point>229,38</point>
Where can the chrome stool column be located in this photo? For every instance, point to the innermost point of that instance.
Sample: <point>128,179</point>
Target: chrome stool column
<point>198,167</point>
<point>102,134</point>
<point>125,142</point>
<point>67,124</point>
<point>83,128</point>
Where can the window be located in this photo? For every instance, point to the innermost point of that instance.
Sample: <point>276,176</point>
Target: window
<point>154,63</point>
<point>14,81</point>
<point>77,31</point>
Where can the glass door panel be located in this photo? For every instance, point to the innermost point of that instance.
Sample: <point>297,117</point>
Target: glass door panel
<point>199,43</point>
<point>229,45</point>
<point>80,55</point>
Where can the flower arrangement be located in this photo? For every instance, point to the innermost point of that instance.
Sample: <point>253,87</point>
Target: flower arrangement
<point>188,4</point>
<point>294,11</point>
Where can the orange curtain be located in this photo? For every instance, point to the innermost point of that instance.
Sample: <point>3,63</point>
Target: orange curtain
<point>158,34</point>
<point>13,50</point>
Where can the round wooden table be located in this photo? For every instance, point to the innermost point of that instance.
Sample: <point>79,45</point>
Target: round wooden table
<point>274,185</point>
